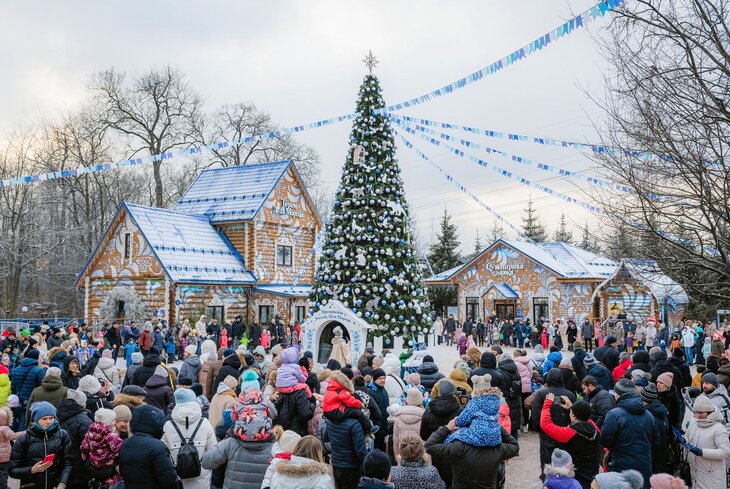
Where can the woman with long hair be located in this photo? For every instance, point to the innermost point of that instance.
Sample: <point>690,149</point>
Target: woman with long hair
<point>306,469</point>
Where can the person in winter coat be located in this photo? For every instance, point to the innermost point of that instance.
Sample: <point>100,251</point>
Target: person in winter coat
<point>599,372</point>
<point>718,395</point>
<point>407,419</point>
<point>488,366</point>
<point>100,448</point>
<point>191,365</point>
<point>143,373</point>
<point>146,339</point>
<point>628,479</point>
<point>623,366</point>
<point>443,408</point>
<point>472,467</point>
<point>560,416</point>
<point>144,461</point>
<point>538,358</point>
<point>677,360</point>
<point>608,354</point>
<point>460,380</point>
<point>51,390</point>
<point>97,396</point>
<point>553,360</point>
<point>709,446</point>
<point>525,370</point>
<point>137,359</point>
<point>188,424</point>
<point>570,381</point>
<point>282,449</point>
<point>348,436</point>
<point>429,372</point>
<point>650,396</point>
<point>600,400</point>
<point>670,398</point>
<point>159,393</point>
<point>581,438</point>
<point>74,418</point>
<point>247,449</point>
<point>579,354</point>
<point>630,433</point>
<point>26,377</point>
<point>413,470</point>
<point>376,390</point>
<point>7,437</point>
<point>224,399</point>
<point>511,391</point>
<point>723,372</point>
<point>305,469</point>
<point>231,366</point>
<point>639,361</point>
<point>44,437</point>
<point>106,370</point>
<point>209,371</point>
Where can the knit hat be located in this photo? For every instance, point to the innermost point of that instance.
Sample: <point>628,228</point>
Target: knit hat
<point>105,416</point>
<point>464,367</point>
<point>710,378</point>
<point>413,378</point>
<point>666,481</point>
<point>184,381</point>
<point>414,397</point>
<point>649,393</point>
<point>561,459</point>
<point>376,465</point>
<point>259,350</point>
<point>666,378</point>
<point>377,373</point>
<point>565,363</point>
<point>250,380</point>
<point>40,409</point>
<point>106,353</point>
<point>427,358</point>
<point>123,413</point>
<point>230,382</point>
<point>581,410</point>
<point>134,390</point>
<point>288,441</point>
<point>446,388</point>
<point>89,384</point>
<point>34,354</point>
<point>77,396</point>
<point>161,371</point>
<point>14,401</point>
<point>628,479</point>
<point>611,340</point>
<point>184,396</point>
<point>702,404</point>
<point>53,372</point>
<point>191,349</point>
<point>624,386</point>
<point>228,352</point>
<point>638,374</point>
<point>589,360</point>
<point>411,448</point>
<point>137,358</point>
<point>577,345</point>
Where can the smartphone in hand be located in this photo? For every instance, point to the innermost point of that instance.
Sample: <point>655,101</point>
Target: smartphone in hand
<point>49,458</point>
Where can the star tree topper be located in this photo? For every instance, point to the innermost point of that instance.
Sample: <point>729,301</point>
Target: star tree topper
<point>370,61</point>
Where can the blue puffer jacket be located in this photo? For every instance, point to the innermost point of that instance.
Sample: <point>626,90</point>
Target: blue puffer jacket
<point>602,376</point>
<point>430,374</point>
<point>553,360</point>
<point>347,436</point>
<point>26,377</point>
<point>630,433</point>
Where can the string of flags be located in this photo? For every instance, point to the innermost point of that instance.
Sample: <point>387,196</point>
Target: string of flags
<point>503,172</point>
<point>462,188</point>
<point>579,21</point>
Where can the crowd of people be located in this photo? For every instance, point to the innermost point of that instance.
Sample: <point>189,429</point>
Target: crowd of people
<point>246,407</point>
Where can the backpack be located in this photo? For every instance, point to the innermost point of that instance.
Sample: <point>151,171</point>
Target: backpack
<point>187,465</point>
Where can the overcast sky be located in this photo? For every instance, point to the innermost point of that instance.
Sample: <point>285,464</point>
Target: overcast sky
<point>301,61</point>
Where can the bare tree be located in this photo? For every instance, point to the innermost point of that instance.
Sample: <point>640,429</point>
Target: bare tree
<point>667,107</point>
<point>156,113</point>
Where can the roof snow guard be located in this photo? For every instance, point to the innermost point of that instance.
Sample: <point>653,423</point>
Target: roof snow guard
<point>233,193</point>
<point>189,247</point>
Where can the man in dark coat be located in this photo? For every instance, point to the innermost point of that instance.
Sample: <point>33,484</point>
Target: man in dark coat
<point>630,433</point>
<point>488,365</point>
<point>349,439</point>
<point>442,409</point>
<point>377,391</point>
<point>254,338</point>
<point>238,329</point>
<point>639,361</point>
<point>588,332</point>
<point>598,372</point>
<point>231,366</point>
<point>577,361</point>
<point>677,360</point>
<point>26,377</point>
<point>75,419</point>
<point>511,390</point>
<point>560,416</point>
<point>650,396</point>
<point>294,411</point>
<point>113,338</point>
<point>143,373</point>
<point>144,461</point>
<point>472,467</point>
<point>600,399</point>
<point>468,326</point>
<point>429,372</point>
<point>608,353</point>
<point>450,328</point>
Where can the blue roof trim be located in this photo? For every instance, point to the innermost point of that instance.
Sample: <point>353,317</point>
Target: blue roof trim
<point>162,263</point>
<point>273,186</point>
<point>98,243</point>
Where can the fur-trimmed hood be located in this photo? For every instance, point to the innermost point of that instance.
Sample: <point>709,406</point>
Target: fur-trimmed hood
<point>130,401</point>
<point>301,467</point>
<point>559,471</point>
<point>341,379</point>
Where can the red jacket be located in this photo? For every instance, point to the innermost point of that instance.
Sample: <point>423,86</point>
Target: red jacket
<point>338,398</point>
<point>145,340</point>
<point>561,434</point>
<point>620,371</point>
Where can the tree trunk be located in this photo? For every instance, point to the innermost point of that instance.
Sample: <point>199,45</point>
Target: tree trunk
<point>158,183</point>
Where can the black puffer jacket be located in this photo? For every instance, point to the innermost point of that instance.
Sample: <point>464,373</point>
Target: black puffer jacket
<point>601,402</point>
<point>159,393</point>
<point>473,467</point>
<point>439,412</point>
<point>32,448</point>
<point>512,391</point>
<point>295,410</point>
<point>488,365</point>
<point>430,374</point>
<point>347,436</point>
<point>143,373</point>
<point>231,366</point>
<point>69,380</point>
<point>639,361</point>
<point>144,461</point>
<point>554,385</point>
<point>577,362</point>
<point>97,401</point>
<point>75,420</point>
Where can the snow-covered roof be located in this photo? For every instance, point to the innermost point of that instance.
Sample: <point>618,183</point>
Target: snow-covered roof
<point>662,287</point>
<point>231,194</point>
<point>504,290</point>
<point>564,259</point>
<point>288,290</point>
<point>189,247</point>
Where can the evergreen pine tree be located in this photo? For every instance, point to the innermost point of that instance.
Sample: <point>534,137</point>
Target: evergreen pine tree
<point>496,232</point>
<point>531,225</point>
<point>563,234</point>
<point>444,252</point>
<point>367,260</point>
<point>587,241</point>
<point>478,246</point>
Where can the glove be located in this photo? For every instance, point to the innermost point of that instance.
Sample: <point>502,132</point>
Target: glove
<point>696,451</point>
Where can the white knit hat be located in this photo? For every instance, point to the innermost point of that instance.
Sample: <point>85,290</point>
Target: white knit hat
<point>89,384</point>
<point>703,404</point>
<point>105,416</point>
<point>191,349</point>
<point>161,371</point>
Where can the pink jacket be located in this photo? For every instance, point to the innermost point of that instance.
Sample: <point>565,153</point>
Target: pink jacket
<point>6,434</point>
<point>524,369</point>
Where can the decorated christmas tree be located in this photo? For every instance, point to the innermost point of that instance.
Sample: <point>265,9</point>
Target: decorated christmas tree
<point>368,261</point>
